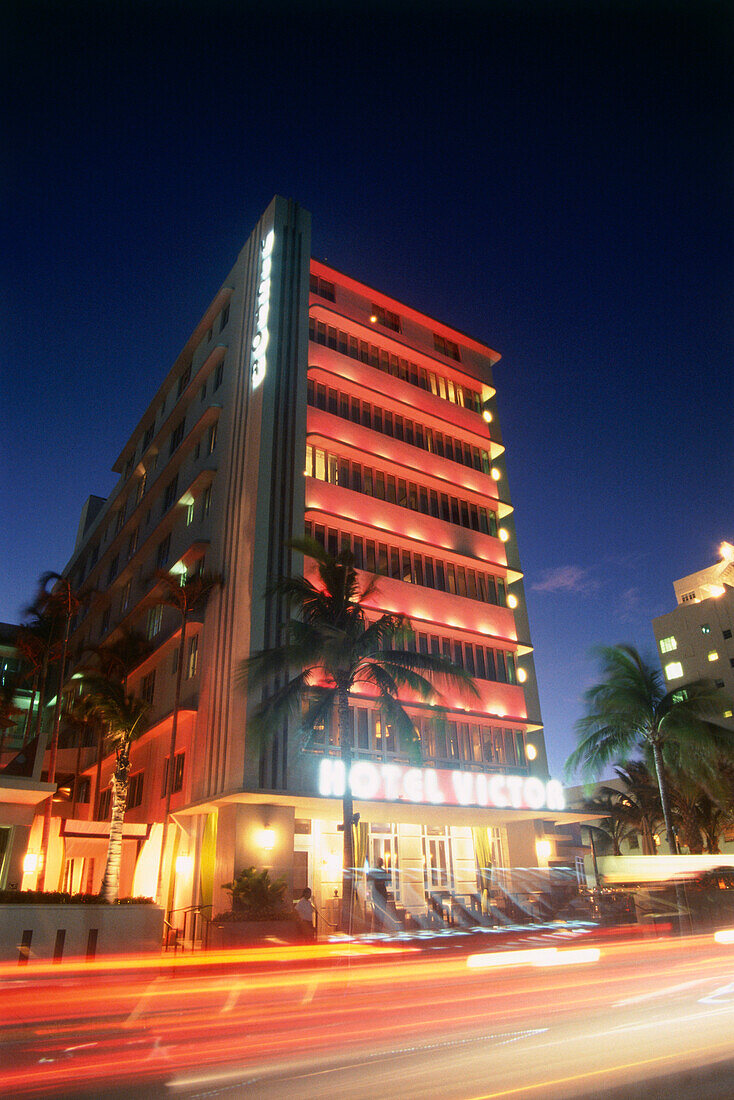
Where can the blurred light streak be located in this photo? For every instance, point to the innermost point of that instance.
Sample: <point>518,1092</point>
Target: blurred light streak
<point>538,956</point>
<point>724,935</point>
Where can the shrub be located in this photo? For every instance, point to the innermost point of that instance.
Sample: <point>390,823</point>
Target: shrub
<point>61,897</point>
<point>255,897</point>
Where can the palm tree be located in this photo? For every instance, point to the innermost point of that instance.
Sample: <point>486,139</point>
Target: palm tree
<point>32,649</point>
<point>123,717</point>
<point>115,661</point>
<point>643,801</point>
<point>335,647</point>
<point>60,603</point>
<point>629,709</point>
<point>185,594</point>
<point>616,819</point>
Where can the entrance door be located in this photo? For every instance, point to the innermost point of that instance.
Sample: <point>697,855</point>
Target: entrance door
<point>436,860</point>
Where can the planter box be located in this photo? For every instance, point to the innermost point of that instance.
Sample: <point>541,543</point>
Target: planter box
<point>56,932</point>
<point>229,934</point>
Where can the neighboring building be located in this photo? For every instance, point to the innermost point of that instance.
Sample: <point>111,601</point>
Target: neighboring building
<point>694,640</point>
<point>307,401</point>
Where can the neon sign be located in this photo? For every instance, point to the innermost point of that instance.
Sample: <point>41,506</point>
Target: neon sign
<point>262,309</point>
<point>370,782</point>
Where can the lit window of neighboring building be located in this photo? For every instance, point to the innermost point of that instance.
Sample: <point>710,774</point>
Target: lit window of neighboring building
<point>386,318</point>
<point>323,288</point>
<point>211,441</point>
<point>206,501</point>
<point>147,687</point>
<point>189,514</point>
<point>667,645</point>
<point>705,629</point>
<point>713,655</point>
<point>446,347</point>
<point>673,670</point>
<point>125,600</point>
<point>153,623</point>
<point>193,659</point>
<point>688,597</point>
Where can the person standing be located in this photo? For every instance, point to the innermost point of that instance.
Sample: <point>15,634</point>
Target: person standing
<point>378,881</point>
<point>305,910</point>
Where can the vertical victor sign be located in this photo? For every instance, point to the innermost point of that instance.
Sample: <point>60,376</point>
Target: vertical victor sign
<point>262,309</point>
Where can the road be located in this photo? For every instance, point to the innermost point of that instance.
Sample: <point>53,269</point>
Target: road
<point>554,1018</point>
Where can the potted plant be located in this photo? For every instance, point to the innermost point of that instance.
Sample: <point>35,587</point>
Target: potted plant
<point>259,912</point>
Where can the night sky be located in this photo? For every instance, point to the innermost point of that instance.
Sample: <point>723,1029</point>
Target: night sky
<point>552,178</point>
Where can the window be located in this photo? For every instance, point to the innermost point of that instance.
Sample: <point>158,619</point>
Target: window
<point>153,621</point>
<point>176,436</point>
<point>206,501</point>
<point>211,439</point>
<point>667,645</point>
<point>82,789</point>
<point>178,770</point>
<point>673,670</point>
<point>174,662</point>
<point>224,318</point>
<point>105,624</point>
<point>132,543</point>
<point>193,657</point>
<point>141,487</point>
<point>386,318</point>
<point>688,597</point>
<point>446,347</point>
<point>322,288</point>
<point>209,335</point>
<point>726,633</point>
<point>712,655</point>
<point>119,522</point>
<point>189,513</point>
<point>125,598</point>
<point>219,375</point>
<point>135,790</point>
<point>163,553</point>
<point>114,565</point>
<point>105,803</point>
<point>170,494</point>
<point>705,628</point>
<point>148,437</point>
<point>147,687</point>
<point>183,381</point>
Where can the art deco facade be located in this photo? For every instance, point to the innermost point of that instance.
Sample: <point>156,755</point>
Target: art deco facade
<point>305,401</point>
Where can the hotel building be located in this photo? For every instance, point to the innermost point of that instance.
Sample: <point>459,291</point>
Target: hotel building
<point>694,640</point>
<point>305,401</point>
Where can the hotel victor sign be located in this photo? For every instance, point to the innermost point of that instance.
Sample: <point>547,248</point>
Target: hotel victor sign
<point>377,782</point>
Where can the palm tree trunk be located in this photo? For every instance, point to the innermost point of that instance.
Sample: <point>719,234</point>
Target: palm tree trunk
<point>345,743</point>
<point>657,753</point>
<point>171,754</point>
<point>680,899</point>
<point>41,748</point>
<point>111,878</point>
<point>29,715</point>
<point>46,834</point>
<point>98,778</point>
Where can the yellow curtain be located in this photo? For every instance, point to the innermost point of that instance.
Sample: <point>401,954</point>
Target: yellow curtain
<point>360,836</point>
<point>208,858</point>
<point>483,853</point>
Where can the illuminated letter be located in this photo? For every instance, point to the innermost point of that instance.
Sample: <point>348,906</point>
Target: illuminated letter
<point>391,779</point>
<point>413,784</point>
<point>267,245</point>
<point>463,787</point>
<point>480,786</point>
<point>555,799</point>
<point>331,778</point>
<point>514,784</point>
<point>533,793</point>
<point>364,779</point>
<point>498,790</point>
<point>432,789</point>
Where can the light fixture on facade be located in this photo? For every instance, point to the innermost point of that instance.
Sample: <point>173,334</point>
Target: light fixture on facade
<point>543,849</point>
<point>30,863</point>
<point>530,751</point>
<point>503,534</point>
<point>487,416</point>
<point>496,475</point>
<point>373,318</point>
<point>266,839</point>
<point>184,864</point>
<point>512,600</point>
<point>522,675</point>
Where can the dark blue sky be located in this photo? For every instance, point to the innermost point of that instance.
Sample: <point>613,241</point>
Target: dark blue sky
<point>553,178</point>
